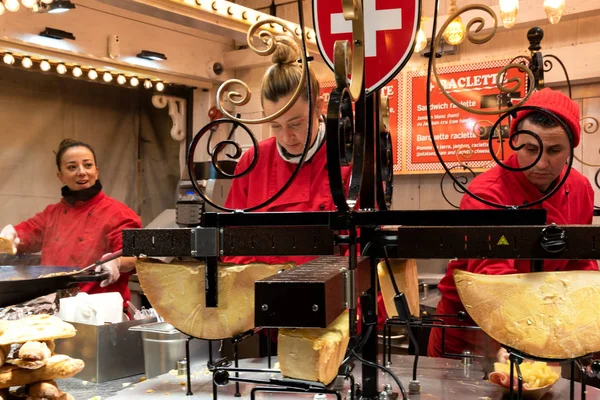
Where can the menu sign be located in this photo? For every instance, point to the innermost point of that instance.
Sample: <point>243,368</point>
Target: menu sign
<point>461,136</point>
<point>391,91</point>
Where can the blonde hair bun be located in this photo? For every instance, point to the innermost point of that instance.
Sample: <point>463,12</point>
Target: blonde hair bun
<point>286,52</point>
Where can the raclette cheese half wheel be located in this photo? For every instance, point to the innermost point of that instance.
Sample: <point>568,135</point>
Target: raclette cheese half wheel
<point>314,354</point>
<point>405,273</point>
<point>177,293</point>
<point>553,315</point>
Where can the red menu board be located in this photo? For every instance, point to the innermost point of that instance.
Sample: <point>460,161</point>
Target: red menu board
<point>460,136</point>
<point>390,90</point>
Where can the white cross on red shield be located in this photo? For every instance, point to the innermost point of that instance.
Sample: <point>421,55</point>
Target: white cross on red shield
<point>390,30</point>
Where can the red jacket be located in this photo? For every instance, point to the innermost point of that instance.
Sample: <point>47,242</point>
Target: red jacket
<point>78,235</point>
<point>309,192</point>
<point>572,204</point>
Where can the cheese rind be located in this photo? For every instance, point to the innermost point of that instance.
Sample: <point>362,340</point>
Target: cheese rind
<point>405,274</point>
<point>314,354</point>
<point>553,315</point>
<point>177,292</point>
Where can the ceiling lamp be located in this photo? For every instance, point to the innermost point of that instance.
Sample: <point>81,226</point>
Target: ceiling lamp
<point>12,5</point>
<point>60,6</point>
<point>121,79</point>
<point>57,34</point>
<point>421,40</point>
<point>456,31</point>
<point>134,81</point>
<point>45,66</point>
<point>152,55</point>
<point>92,74</point>
<point>509,9</point>
<point>554,10</point>
<point>8,59</point>
<point>160,86</point>
<point>26,62</point>
<point>61,69</point>
<point>77,72</point>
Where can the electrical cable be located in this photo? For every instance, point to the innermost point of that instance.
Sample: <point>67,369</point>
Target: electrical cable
<point>381,367</point>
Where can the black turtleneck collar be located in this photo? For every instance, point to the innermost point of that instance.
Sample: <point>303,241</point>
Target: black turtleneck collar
<point>73,196</point>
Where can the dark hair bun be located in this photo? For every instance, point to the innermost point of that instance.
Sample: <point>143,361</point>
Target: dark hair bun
<point>65,143</point>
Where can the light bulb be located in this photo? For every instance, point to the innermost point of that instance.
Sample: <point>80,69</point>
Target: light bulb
<point>134,81</point>
<point>421,40</point>
<point>160,86</point>
<point>509,9</point>
<point>554,10</point>
<point>29,3</point>
<point>26,62</point>
<point>77,72</point>
<point>147,84</point>
<point>107,77</point>
<point>455,32</point>
<point>92,74</point>
<point>12,5</point>
<point>1,8</point>
<point>8,59</point>
<point>61,69</point>
<point>47,1</point>
<point>45,66</point>
<point>121,79</point>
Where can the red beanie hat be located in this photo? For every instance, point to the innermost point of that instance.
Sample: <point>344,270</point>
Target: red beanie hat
<point>556,102</point>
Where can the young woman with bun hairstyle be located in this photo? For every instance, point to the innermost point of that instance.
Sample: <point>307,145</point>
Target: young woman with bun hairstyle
<point>85,225</point>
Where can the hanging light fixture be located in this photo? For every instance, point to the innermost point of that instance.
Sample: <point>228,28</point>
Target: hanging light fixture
<point>29,3</point>
<point>121,79</point>
<point>26,62</point>
<point>8,59</point>
<point>92,74</point>
<point>134,81</point>
<point>421,40</point>
<point>45,66</point>
<point>61,69</point>
<point>509,9</point>
<point>554,10</point>
<point>12,5</point>
<point>456,31</point>
<point>77,72</point>
<point>160,86</point>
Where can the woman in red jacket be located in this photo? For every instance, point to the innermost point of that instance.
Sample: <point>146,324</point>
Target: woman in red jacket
<point>573,203</point>
<point>85,225</point>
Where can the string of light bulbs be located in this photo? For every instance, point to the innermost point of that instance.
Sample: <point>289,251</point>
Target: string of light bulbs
<point>93,74</point>
<point>15,5</point>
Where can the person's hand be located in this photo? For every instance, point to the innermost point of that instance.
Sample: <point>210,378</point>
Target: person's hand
<point>502,355</point>
<point>9,233</point>
<point>112,267</point>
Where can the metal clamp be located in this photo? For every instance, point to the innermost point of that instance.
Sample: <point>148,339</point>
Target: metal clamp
<point>205,242</point>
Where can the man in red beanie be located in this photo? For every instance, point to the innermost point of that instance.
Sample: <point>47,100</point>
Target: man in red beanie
<point>573,203</point>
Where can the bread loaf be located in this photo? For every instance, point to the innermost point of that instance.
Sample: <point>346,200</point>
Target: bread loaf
<point>405,274</point>
<point>44,389</point>
<point>6,246</point>
<point>58,366</point>
<point>177,292</point>
<point>552,315</point>
<point>314,354</point>
<point>34,328</point>
<point>34,351</point>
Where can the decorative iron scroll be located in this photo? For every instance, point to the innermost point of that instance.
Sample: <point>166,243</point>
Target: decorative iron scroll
<point>504,86</point>
<point>240,98</point>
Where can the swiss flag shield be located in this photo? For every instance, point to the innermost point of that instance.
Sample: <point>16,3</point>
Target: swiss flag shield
<point>390,30</point>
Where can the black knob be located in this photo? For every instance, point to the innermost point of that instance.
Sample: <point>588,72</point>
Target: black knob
<point>553,239</point>
<point>221,378</point>
<point>462,315</point>
<point>535,36</point>
<point>595,367</point>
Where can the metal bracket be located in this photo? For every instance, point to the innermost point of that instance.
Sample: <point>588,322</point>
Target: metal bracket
<point>205,242</point>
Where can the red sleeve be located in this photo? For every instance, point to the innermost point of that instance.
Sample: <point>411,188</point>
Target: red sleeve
<point>32,232</point>
<point>123,219</point>
<point>238,194</point>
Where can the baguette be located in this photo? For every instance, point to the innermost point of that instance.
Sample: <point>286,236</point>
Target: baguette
<point>34,351</point>
<point>58,366</point>
<point>44,389</point>
<point>34,328</point>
